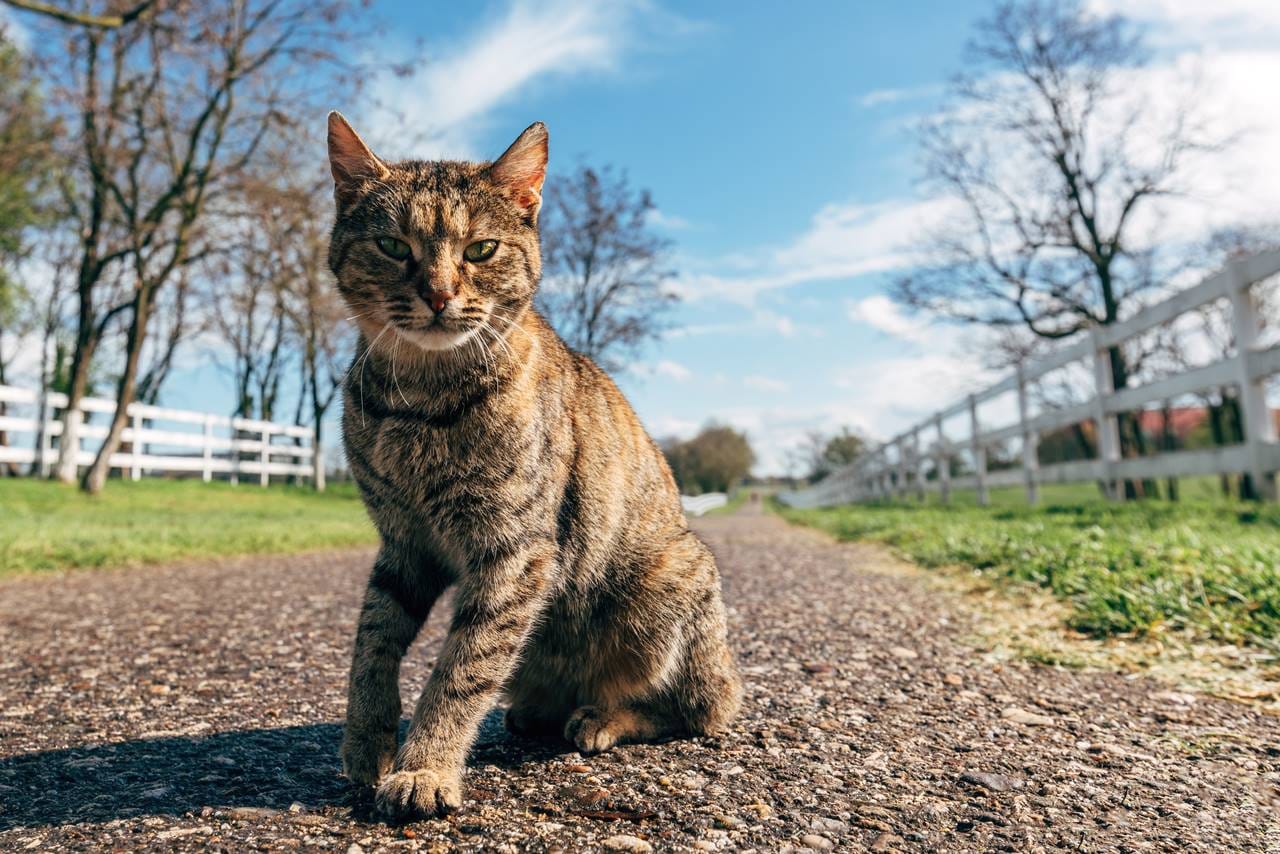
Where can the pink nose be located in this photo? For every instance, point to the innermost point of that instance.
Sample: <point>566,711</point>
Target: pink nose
<point>438,300</point>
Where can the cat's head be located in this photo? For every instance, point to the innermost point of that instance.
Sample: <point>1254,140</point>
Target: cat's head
<point>436,253</point>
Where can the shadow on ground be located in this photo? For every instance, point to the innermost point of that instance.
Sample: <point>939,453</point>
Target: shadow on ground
<point>267,769</point>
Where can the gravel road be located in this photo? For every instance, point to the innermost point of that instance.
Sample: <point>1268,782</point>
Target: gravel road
<point>198,706</point>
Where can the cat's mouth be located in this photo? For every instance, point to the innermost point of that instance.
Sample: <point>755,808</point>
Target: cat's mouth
<point>436,335</point>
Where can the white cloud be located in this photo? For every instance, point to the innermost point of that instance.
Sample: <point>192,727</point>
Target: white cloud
<point>437,110</point>
<point>843,240</point>
<point>1199,21</point>
<point>670,222</point>
<point>884,314</point>
<point>893,96</point>
<point>673,370</point>
<point>766,384</point>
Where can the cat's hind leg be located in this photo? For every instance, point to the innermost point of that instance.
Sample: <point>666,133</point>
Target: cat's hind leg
<point>663,680</point>
<point>538,707</point>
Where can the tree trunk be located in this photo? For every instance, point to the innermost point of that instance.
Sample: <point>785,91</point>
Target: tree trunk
<point>10,469</point>
<point>1218,433</point>
<point>69,445</point>
<point>96,477</point>
<point>1132,441</point>
<point>1170,443</point>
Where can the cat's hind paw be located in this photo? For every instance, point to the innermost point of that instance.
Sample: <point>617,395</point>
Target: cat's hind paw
<point>589,729</point>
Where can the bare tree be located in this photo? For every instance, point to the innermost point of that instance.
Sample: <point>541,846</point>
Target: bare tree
<point>820,453</point>
<point>169,111</point>
<point>604,269</point>
<point>106,21</point>
<point>1053,161</point>
<point>318,314</point>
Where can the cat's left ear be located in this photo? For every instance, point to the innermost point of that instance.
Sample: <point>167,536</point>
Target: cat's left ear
<point>350,159</point>
<point>522,168</point>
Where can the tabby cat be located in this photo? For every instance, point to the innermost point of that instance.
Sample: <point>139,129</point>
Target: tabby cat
<point>495,460</point>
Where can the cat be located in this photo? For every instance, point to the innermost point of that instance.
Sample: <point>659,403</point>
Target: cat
<point>495,460</point>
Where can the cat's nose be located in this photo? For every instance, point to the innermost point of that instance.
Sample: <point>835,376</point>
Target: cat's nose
<point>438,300</point>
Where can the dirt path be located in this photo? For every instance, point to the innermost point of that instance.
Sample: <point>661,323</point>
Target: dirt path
<point>198,707</point>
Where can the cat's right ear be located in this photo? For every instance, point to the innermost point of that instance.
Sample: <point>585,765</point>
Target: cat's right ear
<point>350,159</point>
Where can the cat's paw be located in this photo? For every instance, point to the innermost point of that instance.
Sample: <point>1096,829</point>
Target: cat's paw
<point>367,755</point>
<point>423,793</point>
<point>589,730</point>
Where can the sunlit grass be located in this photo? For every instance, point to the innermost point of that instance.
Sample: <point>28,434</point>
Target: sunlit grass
<point>52,526</point>
<point>1205,565</point>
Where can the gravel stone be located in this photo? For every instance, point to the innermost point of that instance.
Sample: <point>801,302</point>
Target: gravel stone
<point>842,738</point>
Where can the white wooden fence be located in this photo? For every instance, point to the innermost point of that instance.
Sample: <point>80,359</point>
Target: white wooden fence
<point>899,466</point>
<point>191,442</point>
<point>696,505</point>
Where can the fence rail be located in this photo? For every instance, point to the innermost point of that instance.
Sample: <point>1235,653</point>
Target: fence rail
<point>699,504</point>
<point>900,466</point>
<point>222,446</point>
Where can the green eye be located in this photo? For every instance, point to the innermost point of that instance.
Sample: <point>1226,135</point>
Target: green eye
<point>393,248</point>
<point>481,250</point>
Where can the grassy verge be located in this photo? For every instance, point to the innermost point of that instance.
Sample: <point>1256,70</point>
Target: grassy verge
<point>52,526</point>
<point>1205,566</point>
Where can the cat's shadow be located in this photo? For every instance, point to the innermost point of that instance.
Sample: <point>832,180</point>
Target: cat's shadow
<point>260,768</point>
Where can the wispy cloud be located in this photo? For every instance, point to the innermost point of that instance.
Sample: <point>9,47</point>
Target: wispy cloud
<point>879,97</point>
<point>883,314</point>
<point>440,108</point>
<point>843,240</point>
<point>767,384</point>
<point>670,222</point>
<point>673,370</point>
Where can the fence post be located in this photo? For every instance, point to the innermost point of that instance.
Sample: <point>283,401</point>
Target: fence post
<point>135,423</point>
<point>206,473</point>
<point>71,440</point>
<point>44,448</point>
<point>979,453</point>
<point>1107,427</point>
<point>317,459</point>
<point>1030,441</point>
<point>901,445</point>
<point>1259,429</point>
<point>917,463</point>
<point>264,457</point>
<point>943,462</point>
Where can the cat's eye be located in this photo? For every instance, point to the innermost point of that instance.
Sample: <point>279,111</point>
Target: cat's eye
<point>394,248</point>
<point>481,250</point>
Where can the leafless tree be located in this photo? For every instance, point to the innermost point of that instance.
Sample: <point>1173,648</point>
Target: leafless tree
<point>605,271</point>
<point>105,21</point>
<point>169,110</point>
<point>318,315</point>
<point>1053,161</point>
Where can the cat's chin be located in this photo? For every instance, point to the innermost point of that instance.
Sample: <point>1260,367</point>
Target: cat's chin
<point>436,340</point>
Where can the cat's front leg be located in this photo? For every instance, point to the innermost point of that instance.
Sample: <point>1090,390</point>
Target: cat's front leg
<point>496,607</point>
<point>400,594</point>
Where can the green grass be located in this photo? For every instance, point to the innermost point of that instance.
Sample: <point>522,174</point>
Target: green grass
<point>52,526</point>
<point>1204,565</point>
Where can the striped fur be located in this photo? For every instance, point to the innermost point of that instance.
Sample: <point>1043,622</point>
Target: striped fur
<point>495,460</point>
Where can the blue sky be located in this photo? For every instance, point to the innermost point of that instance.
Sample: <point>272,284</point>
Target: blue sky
<point>777,142</point>
<point>747,123</point>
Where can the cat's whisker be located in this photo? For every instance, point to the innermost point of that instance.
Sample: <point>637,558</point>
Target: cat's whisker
<point>360,374</point>
<point>394,357</point>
